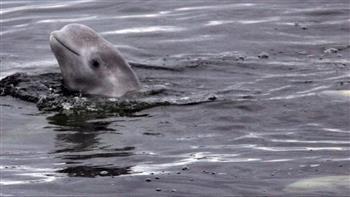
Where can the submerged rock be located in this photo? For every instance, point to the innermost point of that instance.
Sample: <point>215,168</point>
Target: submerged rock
<point>49,94</point>
<point>263,55</point>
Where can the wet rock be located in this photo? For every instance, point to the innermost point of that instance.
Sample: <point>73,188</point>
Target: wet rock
<point>308,81</point>
<point>49,94</point>
<point>240,58</point>
<point>185,168</point>
<point>158,189</point>
<point>212,98</point>
<point>263,55</point>
<point>93,171</point>
<point>303,27</point>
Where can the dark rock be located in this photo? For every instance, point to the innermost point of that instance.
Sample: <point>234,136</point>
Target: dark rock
<point>49,94</point>
<point>263,55</point>
<point>185,168</point>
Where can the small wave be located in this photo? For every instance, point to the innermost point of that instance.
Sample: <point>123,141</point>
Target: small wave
<point>320,126</point>
<point>197,38</point>
<point>11,31</point>
<point>215,23</point>
<point>147,168</point>
<point>287,149</point>
<point>67,20</point>
<point>336,130</point>
<point>144,30</point>
<point>269,19</point>
<point>288,97</point>
<point>277,160</point>
<point>245,22</point>
<point>10,2</point>
<point>238,5</point>
<point>42,7</point>
<point>313,90</point>
<point>318,11</point>
<point>311,141</point>
<point>37,175</point>
<point>34,66</point>
<point>337,159</point>
<point>142,16</point>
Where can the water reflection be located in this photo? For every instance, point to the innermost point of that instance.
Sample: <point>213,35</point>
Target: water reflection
<point>78,142</point>
<point>75,133</point>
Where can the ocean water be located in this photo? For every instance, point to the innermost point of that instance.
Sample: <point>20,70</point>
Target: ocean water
<point>280,127</point>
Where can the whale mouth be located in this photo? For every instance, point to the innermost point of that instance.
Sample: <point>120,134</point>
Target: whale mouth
<point>65,46</point>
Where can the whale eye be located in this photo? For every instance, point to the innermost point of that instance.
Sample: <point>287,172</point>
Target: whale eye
<point>95,63</point>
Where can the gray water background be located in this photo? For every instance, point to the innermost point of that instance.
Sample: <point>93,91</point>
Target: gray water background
<point>278,120</point>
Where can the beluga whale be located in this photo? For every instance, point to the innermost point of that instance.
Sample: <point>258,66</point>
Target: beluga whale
<point>91,64</point>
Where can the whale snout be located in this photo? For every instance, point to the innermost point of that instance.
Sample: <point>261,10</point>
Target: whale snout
<point>53,35</point>
<point>57,40</point>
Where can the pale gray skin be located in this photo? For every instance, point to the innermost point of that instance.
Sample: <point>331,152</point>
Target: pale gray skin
<point>91,64</point>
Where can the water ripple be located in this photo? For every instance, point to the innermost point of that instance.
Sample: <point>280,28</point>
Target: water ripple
<point>149,29</point>
<point>37,175</point>
<point>237,5</point>
<point>303,148</point>
<point>67,20</point>
<point>311,141</point>
<point>42,7</point>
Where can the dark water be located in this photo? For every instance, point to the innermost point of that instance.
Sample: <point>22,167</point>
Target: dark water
<point>280,127</point>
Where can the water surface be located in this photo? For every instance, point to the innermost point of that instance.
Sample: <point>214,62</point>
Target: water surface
<point>278,120</point>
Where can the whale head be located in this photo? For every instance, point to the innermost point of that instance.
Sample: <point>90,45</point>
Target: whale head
<point>91,64</point>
